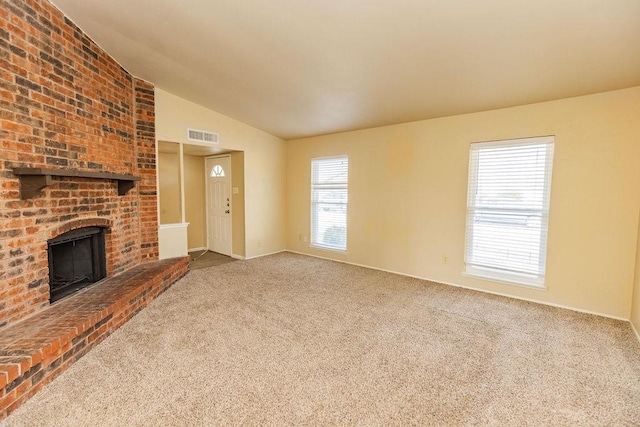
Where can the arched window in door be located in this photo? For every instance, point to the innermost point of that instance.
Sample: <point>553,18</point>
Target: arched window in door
<point>216,172</point>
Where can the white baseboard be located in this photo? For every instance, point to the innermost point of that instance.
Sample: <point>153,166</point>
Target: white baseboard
<point>471,288</point>
<point>241,257</point>
<point>270,253</point>
<point>196,249</point>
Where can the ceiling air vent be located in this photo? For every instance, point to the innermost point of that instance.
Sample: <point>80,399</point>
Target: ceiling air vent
<point>202,136</point>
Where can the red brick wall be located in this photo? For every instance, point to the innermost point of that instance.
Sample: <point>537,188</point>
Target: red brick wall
<point>146,153</point>
<point>65,103</point>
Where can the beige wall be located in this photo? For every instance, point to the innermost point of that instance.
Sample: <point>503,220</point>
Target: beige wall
<point>237,203</point>
<point>264,166</point>
<point>635,309</point>
<point>408,185</point>
<point>194,198</point>
<point>169,188</point>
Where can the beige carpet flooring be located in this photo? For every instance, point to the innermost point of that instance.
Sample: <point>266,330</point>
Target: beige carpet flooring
<point>293,340</point>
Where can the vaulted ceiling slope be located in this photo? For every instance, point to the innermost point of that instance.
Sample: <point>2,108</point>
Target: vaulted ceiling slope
<point>297,68</point>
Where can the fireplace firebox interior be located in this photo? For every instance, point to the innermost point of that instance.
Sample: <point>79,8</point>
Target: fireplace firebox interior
<point>76,260</point>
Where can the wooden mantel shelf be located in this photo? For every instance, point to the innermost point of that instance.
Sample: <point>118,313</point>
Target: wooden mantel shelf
<point>32,180</point>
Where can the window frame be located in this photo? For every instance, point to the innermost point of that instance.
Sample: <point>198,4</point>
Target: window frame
<point>314,238</point>
<point>504,275</point>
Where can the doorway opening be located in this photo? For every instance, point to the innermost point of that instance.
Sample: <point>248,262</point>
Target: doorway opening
<point>183,176</point>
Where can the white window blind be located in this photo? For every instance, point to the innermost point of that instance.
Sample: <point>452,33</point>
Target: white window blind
<point>329,196</point>
<point>508,209</point>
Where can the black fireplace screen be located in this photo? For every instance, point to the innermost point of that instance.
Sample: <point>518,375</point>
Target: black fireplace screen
<point>76,260</point>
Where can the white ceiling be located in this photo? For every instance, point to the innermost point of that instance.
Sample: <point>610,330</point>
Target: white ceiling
<point>298,68</point>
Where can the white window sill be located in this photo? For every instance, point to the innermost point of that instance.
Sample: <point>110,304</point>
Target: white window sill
<point>506,278</point>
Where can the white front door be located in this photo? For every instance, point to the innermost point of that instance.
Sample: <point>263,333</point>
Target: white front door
<point>218,176</point>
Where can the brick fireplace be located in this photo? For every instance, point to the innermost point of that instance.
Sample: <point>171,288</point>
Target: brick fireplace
<point>77,152</point>
<point>67,106</point>
<point>76,260</point>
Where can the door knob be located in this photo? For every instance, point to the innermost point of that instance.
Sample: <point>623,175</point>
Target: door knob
<point>227,211</point>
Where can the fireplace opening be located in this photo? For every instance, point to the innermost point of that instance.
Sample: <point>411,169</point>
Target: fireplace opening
<point>76,260</point>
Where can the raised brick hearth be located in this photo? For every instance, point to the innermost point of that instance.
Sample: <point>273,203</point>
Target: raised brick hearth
<point>37,349</point>
<point>77,149</point>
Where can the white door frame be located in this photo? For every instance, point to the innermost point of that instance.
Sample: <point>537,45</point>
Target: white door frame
<point>206,191</point>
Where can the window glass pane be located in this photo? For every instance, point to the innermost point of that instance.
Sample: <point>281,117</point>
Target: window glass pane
<point>508,207</point>
<point>329,197</point>
<point>217,171</point>
<point>512,177</point>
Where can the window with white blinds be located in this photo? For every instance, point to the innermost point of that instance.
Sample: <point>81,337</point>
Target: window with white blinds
<point>329,196</point>
<point>508,210</point>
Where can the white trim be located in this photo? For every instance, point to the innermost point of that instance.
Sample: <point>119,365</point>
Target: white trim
<point>514,142</point>
<point>337,156</point>
<point>468,287</point>
<point>202,248</point>
<point>173,225</point>
<point>312,211</point>
<point>270,253</point>
<point>487,264</point>
<point>513,280</point>
<point>635,330</point>
<point>240,257</point>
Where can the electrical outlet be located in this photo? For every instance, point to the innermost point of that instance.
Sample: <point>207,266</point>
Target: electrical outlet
<point>259,244</point>
<point>300,237</point>
<point>304,238</point>
<point>445,260</point>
